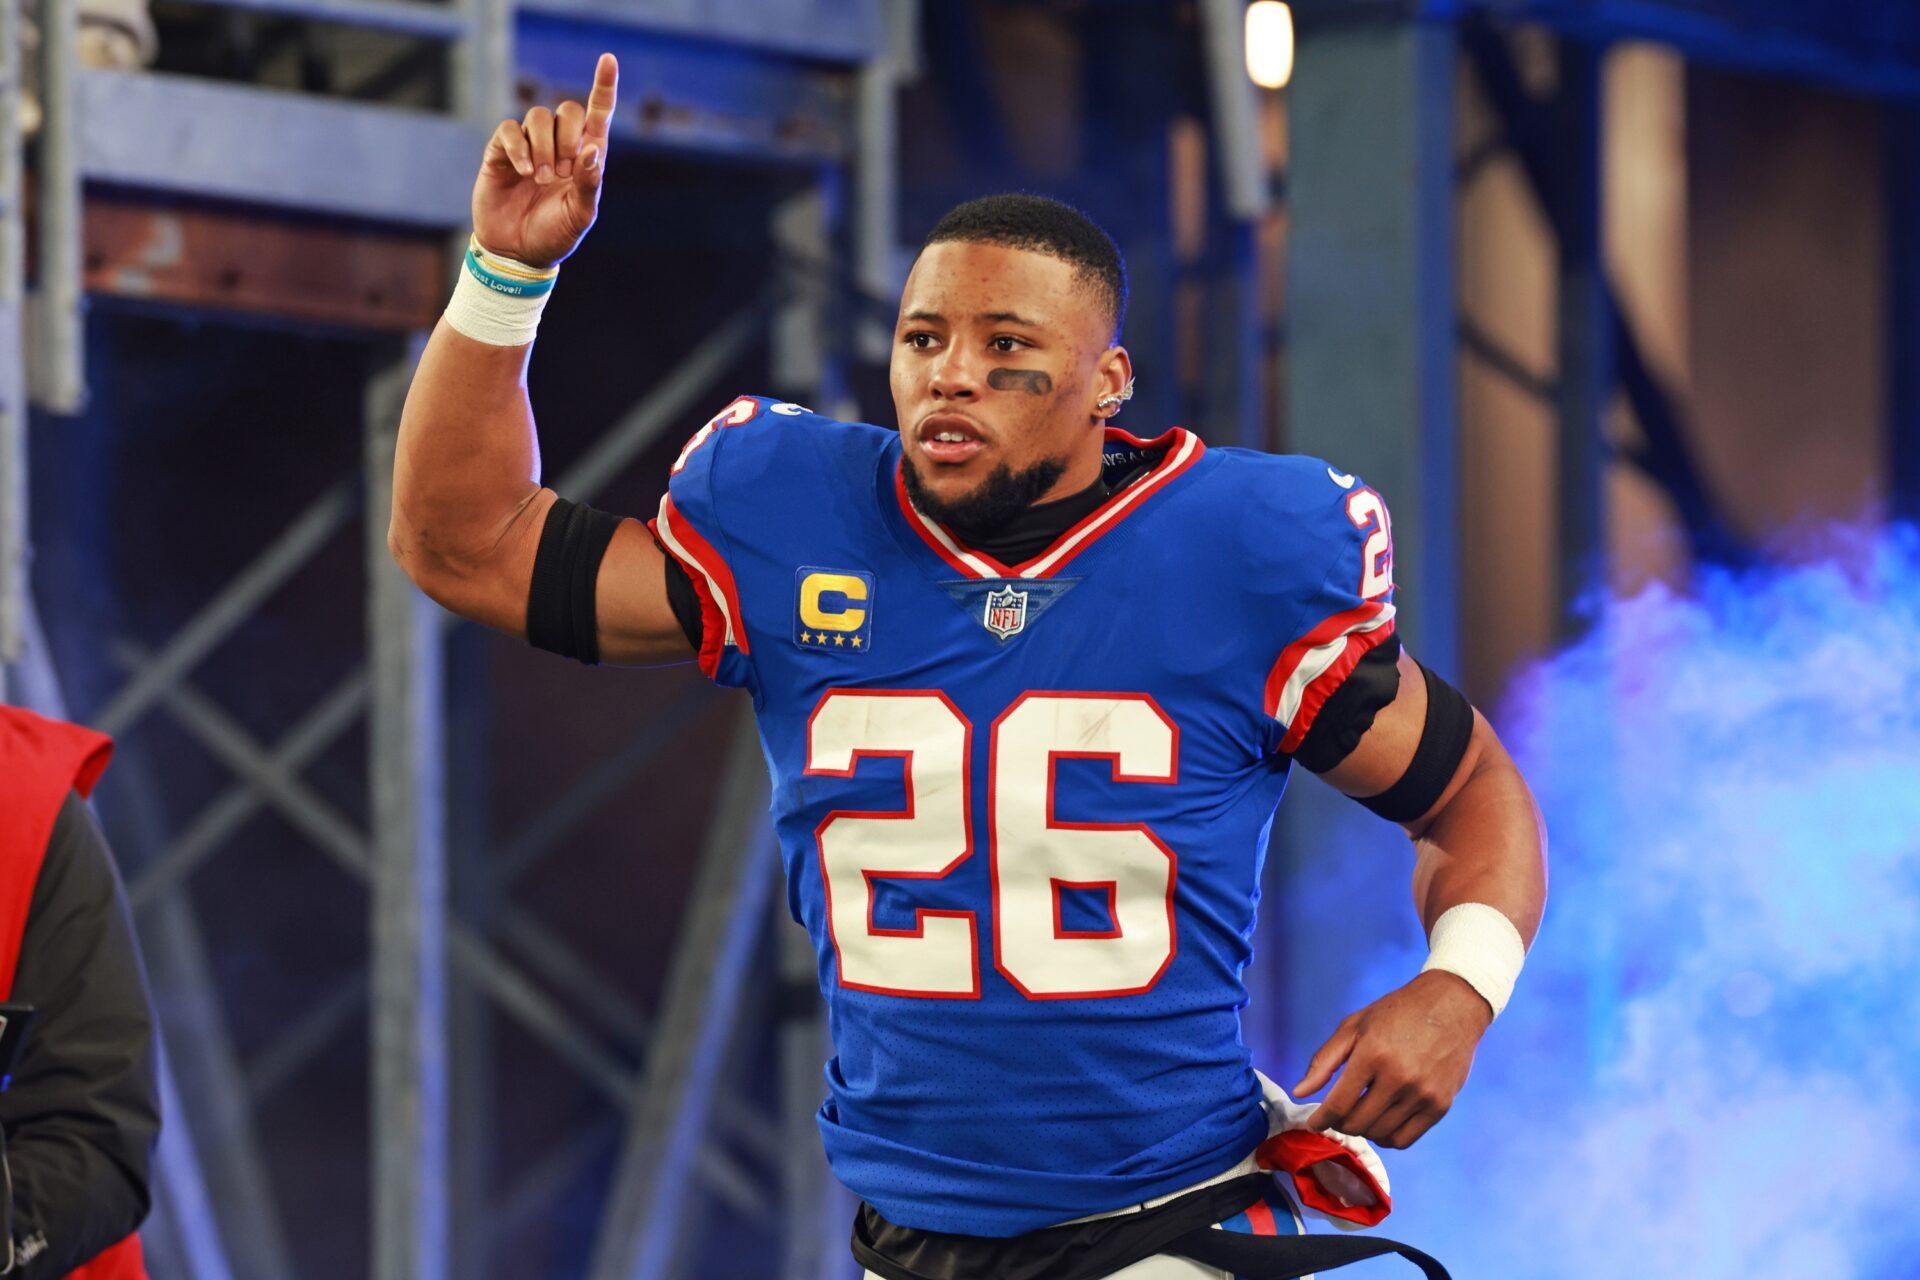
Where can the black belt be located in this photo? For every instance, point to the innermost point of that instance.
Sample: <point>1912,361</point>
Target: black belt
<point>1098,1248</point>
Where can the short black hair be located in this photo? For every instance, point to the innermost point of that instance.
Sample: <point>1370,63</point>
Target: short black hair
<point>1017,220</point>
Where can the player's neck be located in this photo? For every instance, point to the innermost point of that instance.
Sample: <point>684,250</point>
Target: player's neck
<point>1081,474</point>
<point>1032,529</point>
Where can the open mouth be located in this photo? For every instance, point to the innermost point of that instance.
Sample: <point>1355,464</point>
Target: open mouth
<point>949,439</point>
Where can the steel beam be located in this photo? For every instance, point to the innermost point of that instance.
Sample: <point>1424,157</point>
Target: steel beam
<point>541,833</point>
<point>14,572</point>
<point>798,340</point>
<point>209,1082</point>
<point>544,1180</point>
<point>1902,168</point>
<point>474,1131</point>
<point>1487,349</point>
<point>879,269</point>
<point>36,683</point>
<point>1665,454</point>
<point>1236,110</point>
<point>483,62</point>
<point>1371,375</point>
<point>213,826</point>
<point>182,1235</point>
<point>408,884</point>
<point>208,1091</point>
<point>668,405</point>
<point>845,31</point>
<point>1586,378</point>
<point>403,17</point>
<point>300,1041</point>
<point>818,1211</point>
<point>58,373</point>
<point>336,836</point>
<point>267,146</point>
<point>1814,42</point>
<point>1372,354</point>
<point>646,1213</point>
<point>219,617</point>
<point>715,99</point>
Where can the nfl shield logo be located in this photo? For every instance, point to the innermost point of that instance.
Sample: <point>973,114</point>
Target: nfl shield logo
<point>1006,612</point>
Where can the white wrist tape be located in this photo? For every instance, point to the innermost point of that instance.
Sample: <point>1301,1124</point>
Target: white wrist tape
<point>1478,943</point>
<point>498,300</point>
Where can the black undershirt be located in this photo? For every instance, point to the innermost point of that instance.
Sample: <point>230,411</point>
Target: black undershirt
<point>1337,729</point>
<point>1034,530</point>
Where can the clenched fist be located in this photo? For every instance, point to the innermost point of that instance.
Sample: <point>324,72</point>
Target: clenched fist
<point>539,183</point>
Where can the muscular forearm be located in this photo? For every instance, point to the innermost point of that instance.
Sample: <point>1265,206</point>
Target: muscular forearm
<point>467,501</point>
<point>468,463</point>
<point>1485,844</point>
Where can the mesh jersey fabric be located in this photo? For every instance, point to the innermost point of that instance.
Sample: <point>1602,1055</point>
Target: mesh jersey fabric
<point>1023,808</point>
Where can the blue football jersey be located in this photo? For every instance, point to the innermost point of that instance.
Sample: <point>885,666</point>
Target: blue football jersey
<point>1023,808</point>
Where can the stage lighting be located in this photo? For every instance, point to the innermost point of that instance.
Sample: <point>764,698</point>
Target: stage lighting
<point>1269,43</point>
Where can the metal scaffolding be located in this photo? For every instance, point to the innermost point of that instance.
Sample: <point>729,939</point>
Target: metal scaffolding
<point>434,981</point>
<point>809,86</point>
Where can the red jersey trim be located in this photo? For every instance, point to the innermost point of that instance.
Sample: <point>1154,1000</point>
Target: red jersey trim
<point>1312,667</point>
<point>1183,449</point>
<point>720,623</point>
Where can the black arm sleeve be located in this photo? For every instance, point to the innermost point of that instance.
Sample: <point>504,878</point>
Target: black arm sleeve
<point>1348,713</point>
<point>562,616</point>
<point>686,605</point>
<point>83,1112</point>
<point>1444,739</point>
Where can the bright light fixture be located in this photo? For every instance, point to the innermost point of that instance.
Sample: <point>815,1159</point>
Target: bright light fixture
<point>1269,43</point>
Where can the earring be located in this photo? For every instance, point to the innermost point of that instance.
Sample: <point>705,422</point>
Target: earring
<point>1126,393</point>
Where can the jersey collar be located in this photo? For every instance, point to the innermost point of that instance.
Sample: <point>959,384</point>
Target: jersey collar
<point>1182,450</point>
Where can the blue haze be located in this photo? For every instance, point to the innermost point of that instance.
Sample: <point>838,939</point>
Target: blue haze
<point>1711,1068</point>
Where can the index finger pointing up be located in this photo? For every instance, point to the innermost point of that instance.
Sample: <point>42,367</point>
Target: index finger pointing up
<point>606,89</point>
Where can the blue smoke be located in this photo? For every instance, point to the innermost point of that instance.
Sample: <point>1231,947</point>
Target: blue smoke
<point>1711,1067</point>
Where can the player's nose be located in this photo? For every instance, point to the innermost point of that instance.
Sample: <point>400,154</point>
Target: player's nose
<point>954,376</point>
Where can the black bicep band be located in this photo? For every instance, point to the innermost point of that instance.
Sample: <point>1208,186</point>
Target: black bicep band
<point>1349,712</point>
<point>562,615</point>
<point>1443,744</point>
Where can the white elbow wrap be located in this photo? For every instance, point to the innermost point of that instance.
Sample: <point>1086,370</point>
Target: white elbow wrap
<point>1479,944</point>
<point>498,301</point>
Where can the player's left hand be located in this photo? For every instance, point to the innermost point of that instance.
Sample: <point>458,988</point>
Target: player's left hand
<point>1406,1056</point>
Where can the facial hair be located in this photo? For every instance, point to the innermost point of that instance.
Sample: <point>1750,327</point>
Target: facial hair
<point>1005,493</point>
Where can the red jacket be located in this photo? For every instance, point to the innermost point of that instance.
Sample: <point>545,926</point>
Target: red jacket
<point>40,761</point>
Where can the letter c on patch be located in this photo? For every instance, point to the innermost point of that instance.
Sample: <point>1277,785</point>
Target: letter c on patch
<point>824,584</point>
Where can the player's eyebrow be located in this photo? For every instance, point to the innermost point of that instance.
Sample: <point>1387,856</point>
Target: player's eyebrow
<point>923,316</point>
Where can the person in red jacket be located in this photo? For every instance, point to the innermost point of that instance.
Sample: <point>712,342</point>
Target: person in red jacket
<point>82,1111</point>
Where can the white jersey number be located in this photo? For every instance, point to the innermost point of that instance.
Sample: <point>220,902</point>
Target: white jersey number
<point>1369,515</point>
<point>1034,856</point>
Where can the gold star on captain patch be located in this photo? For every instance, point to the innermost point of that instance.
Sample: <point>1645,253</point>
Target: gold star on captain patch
<point>839,639</point>
<point>856,642</point>
<point>805,638</point>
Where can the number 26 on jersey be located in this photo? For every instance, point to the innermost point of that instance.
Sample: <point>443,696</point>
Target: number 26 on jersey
<point>1032,856</point>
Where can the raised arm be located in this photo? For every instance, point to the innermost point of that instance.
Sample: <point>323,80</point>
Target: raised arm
<point>468,507</point>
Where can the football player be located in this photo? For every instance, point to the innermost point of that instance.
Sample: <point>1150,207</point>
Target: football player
<point>1030,686</point>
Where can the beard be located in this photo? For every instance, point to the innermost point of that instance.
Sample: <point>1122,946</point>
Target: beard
<point>1004,494</point>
